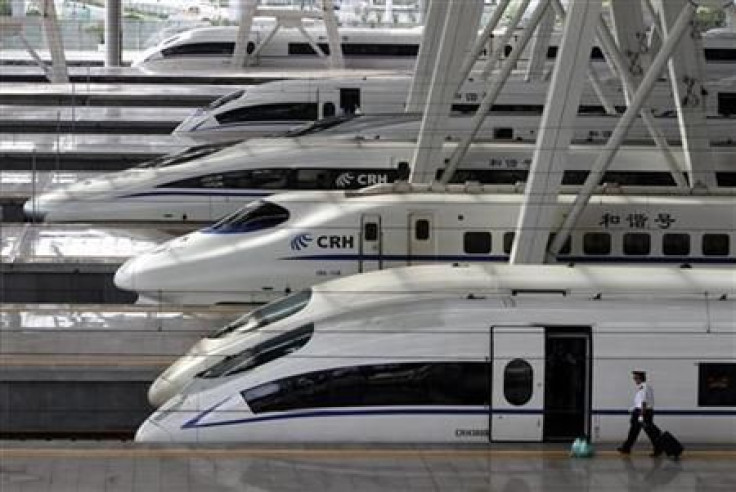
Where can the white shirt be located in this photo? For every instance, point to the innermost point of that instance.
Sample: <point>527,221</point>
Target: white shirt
<point>644,394</point>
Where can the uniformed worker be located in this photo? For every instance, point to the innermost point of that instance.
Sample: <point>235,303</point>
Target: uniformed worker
<point>642,415</point>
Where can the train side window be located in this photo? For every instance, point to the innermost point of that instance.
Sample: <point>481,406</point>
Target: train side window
<point>508,242</point>
<point>421,230</point>
<point>477,242</point>
<point>597,243</point>
<point>676,244</point>
<point>289,111</point>
<point>566,248</point>
<point>518,379</point>
<point>421,384</point>
<point>716,244</point>
<point>637,243</point>
<point>716,384</point>
<point>328,110</point>
<point>213,48</point>
<point>370,231</point>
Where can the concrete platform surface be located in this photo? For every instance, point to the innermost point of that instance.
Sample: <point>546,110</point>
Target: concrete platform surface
<point>112,466</point>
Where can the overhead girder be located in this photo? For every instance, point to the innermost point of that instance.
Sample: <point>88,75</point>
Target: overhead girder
<point>556,131</point>
<point>459,30</point>
<point>675,31</point>
<point>113,33</point>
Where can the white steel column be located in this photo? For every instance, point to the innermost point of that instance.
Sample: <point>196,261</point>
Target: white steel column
<point>627,119</point>
<point>113,33</point>
<point>482,42</point>
<point>240,53</point>
<point>459,31</point>
<point>555,135</point>
<point>686,76</point>
<point>540,46</point>
<point>500,44</point>
<point>333,36</point>
<point>59,69</point>
<point>498,82</point>
<point>631,36</point>
<point>435,21</point>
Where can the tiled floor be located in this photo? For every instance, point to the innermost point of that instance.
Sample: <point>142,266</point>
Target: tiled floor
<point>81,467</point>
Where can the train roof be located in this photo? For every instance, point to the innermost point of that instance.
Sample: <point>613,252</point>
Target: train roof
<point>585,280</point>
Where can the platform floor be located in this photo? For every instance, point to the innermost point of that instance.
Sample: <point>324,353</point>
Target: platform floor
<point>87,467</point>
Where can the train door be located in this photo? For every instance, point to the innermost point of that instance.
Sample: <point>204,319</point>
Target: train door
<point>422,238</point>
<point>371,243</point>
<point>350,100</point>
<point>567,397</point>
<point>517,392</point>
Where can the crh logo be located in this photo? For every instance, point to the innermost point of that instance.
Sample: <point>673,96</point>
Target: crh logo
<point>301,241</point>
<point>344,180</point>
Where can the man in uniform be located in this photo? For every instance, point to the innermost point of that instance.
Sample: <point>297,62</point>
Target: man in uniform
<point>642,415</point>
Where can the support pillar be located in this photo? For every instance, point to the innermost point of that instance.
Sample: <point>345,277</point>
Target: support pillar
<point>686,76</point>
<point>59,73</point>
<point>333,36</point>
<point>481,43</point>
<point>436,14</point>
<point>459,31</point>
<point>540,46</point>
<point>550,157</point>
<point>113,33</point>
<point>240,53</point>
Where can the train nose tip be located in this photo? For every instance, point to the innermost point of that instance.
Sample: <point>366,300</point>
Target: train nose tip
<point>160,392</point>
<point>125,276</point>
<point>150,431</point>
<point>34,209</point>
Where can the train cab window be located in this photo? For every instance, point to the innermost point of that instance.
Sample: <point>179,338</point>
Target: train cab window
<point>184,156</point>
<point>253,217</point>
<point>518,379</point>
<point>421,230</point>
<point>716,385</point>
<point>414,383</point>
<point>266,315</point>
<point>370,231</point>
<point>637,243</point>
<point>676,244</point>
<point>597,243</point>
<point>477,243</point>
<point>508,242</point>
<point>226,99</point>
<point>289,111</point>
<point>262,353</point>
<point>716,244</point>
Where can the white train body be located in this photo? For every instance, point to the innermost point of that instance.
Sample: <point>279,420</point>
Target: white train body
<point>334,298</point>
<point>279,106</point>
<point>203,184</point>
<point>293,240</point>
<point>212,48</point>
<point>528,367</point>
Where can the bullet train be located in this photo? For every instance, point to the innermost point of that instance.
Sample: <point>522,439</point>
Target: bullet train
<point>334,298</point>
<point>290,241</point>
<point>526,366</point>
<point>205,183</point>
<point>277,106</point>
<point>365,48</point>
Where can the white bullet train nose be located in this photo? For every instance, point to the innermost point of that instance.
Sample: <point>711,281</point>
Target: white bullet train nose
<point>125,275</point>
<point>161,391</point>
<point>33,210</point>
<point>150,431</point>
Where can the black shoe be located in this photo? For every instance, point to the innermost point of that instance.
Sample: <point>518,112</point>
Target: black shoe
<point>623,450</point>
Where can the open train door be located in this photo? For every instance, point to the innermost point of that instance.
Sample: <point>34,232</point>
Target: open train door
<point>517,392</point>
<point>371,243</point>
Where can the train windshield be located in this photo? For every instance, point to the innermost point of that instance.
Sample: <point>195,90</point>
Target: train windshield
<point>184,156</point>
<point>272,349</point>
<point>265,315</point>
<point>225,99</point>
<point>253,217</point>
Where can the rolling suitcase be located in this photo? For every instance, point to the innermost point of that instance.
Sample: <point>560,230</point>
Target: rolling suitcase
<point>669,445</point>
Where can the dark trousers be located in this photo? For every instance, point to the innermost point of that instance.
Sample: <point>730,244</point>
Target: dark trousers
<point>652,430</point>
